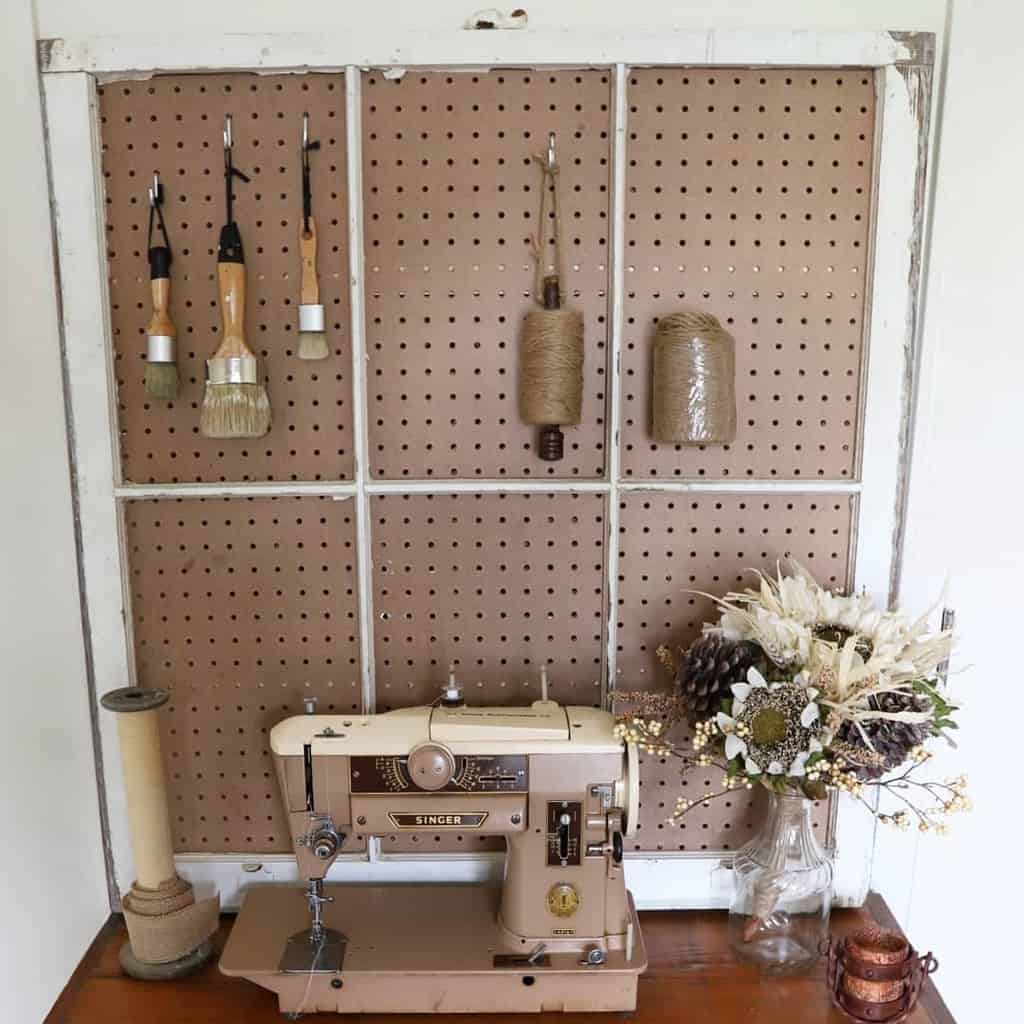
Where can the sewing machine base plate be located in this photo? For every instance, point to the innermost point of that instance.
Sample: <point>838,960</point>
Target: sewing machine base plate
<point>419,949</point>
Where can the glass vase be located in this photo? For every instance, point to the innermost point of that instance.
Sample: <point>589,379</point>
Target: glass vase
<point>779,914</point>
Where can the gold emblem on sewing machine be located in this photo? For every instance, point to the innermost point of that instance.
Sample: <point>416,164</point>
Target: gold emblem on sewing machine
<point>563,900</point>
<point>464,819</point>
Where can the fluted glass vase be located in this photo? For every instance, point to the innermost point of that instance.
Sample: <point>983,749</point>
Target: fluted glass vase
<point>779,914</point>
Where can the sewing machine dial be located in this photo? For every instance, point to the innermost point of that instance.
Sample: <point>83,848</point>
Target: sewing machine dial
<point>431,767</point>
<point>563,900</point>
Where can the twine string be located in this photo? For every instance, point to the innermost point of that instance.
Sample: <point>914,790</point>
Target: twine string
<point>548,187</point>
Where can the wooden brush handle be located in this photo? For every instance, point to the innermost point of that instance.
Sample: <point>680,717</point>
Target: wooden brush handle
<point>231,287</point>
<point>161,323</point>
<point>309,289</point>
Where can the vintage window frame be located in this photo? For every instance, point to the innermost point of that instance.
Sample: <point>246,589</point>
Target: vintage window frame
<point>71,70</point>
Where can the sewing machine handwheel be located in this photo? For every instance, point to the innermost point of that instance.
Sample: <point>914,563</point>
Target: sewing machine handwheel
<point>617,847</point>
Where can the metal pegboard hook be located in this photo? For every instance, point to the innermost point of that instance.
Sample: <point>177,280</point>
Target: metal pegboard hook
<point>156,205</point>
<point>230,171</point>
<point>156,191</point>
<point>552,157</point>
<point>308,145</point>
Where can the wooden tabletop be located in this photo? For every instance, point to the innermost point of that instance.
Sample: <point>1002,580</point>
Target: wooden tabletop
<point>692,977</point>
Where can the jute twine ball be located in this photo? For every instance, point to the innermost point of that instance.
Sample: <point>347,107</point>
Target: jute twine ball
<point>693,381</point>
<point>551,367</point>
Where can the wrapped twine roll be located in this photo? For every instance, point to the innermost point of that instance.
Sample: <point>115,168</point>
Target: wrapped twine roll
<point>551,367</point>
<point>693,381</point>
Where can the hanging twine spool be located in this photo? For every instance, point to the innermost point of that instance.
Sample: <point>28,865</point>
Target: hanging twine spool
<point>693,381</point>
<point>551,343</point>
<point>551,367</point>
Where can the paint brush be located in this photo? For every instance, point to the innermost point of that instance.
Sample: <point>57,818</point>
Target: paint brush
<point>235,403</point>
<point>312,338</point>
<point>161,378</point>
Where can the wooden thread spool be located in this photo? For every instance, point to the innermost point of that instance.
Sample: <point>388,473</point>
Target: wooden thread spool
<point>551,370</point>
<point>693,381</point>
<point>876,946</point>
<point>145,786</point>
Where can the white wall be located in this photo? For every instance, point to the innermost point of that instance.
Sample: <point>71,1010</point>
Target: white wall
<point>51,863</point>
<point>965,513</point>
<point>963,518</point>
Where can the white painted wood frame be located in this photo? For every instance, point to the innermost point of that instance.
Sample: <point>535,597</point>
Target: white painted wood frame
<point>71,70</point>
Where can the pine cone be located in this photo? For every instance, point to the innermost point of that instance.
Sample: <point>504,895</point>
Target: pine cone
<point>708,669</point>
<point>890,740</point>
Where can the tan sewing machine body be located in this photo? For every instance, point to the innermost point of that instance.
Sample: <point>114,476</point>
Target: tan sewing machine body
<point>561,933</point>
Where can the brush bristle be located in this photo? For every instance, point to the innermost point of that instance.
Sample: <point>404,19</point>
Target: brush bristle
<point>162,380</point>
<point>313,345</point>
<point>235,410</point>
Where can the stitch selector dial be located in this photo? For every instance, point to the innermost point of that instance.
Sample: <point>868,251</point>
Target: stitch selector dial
<point>431,766</point>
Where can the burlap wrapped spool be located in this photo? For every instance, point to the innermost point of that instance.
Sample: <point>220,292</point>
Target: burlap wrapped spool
<point>693,382</point>
<point>168,931</point>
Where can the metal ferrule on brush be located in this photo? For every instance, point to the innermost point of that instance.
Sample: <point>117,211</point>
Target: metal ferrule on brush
<point>234,370</point>
<point>311,318</point>
<point>160,348</point>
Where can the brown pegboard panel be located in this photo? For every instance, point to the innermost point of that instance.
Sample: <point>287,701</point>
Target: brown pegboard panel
<point>451,199</point>
<point>725,824</point>
<point>499,585</point>
<point>173,124</point>
<point>240,608</point>
<point>749,196</point>
<point>669,545</point>
<point>672,544</point>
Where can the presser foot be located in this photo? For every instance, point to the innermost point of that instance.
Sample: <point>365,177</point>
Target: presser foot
<point>304,953</point>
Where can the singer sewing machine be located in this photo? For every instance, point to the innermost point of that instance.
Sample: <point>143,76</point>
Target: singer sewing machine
<point>561,933</point>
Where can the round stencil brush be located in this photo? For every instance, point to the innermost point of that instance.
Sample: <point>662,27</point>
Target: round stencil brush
<point>312,337</point>
<point>161,335</point>
<point>236,403</point>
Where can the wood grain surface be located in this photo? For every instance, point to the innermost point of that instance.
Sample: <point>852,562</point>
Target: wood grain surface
<point>692,977</point>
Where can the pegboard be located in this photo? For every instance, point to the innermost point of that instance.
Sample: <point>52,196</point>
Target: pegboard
<point>499,585</point>
<point>173,124</point>
<point>670,545</point>
<point>726,823</point>
<point>451,197</point>
<point>240,608</point>
<point>749,196</point>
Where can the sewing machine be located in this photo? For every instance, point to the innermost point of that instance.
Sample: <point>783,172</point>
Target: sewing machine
<point>561,933</point>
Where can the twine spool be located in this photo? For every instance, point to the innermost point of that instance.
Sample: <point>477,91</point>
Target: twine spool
<point>551,367</point>
<point>693,381</point>
<point>551,341</point>
<point>145,787</point>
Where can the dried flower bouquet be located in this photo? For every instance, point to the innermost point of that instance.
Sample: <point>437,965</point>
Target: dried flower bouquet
<point>802,690</point>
